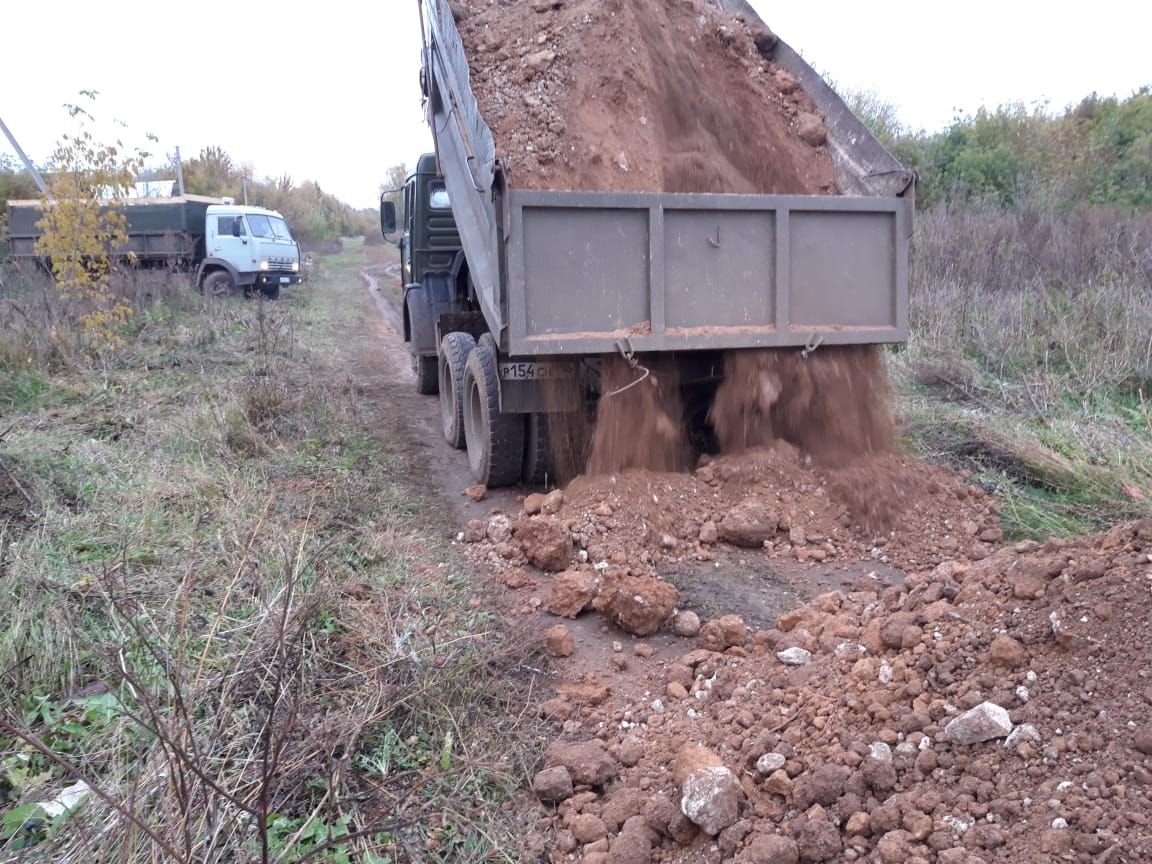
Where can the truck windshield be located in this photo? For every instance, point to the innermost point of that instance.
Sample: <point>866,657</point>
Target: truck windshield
<point>268,226</point>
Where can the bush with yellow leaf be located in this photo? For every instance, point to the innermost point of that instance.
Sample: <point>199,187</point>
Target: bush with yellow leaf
<point>84,232</point>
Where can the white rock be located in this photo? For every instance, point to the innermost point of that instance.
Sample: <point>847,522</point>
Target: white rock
<point>794,656</point>
<point>711,798</point>
<point>885,673</point>
<point>499,528</point>
<point>982,723</point>
<point>70,798</point>
<point>957,824</point>
<point>1059,823</point>
<point>880,751</point>
<point>770,762</point>
<point>1022,693</point>
<point>1023,732</point>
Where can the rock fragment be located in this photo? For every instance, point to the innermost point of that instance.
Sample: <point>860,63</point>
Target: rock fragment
<point>982,723</point>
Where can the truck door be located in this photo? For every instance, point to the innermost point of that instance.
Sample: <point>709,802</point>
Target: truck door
<point>223,242</point>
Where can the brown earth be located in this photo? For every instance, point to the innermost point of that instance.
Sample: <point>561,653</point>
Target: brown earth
<point>857,753</point>
<point>833,730</point>
<point>638,95</point>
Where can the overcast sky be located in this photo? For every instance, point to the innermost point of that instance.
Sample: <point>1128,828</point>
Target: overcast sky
<point>332,95</point>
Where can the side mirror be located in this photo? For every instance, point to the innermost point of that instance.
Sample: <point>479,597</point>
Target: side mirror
<point>387,217</point>
<point>236,226</point>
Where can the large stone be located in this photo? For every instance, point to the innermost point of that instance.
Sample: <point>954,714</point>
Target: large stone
<point>545,541</point>
<point>749,523</point>
<point>690,758</point>
<point>631,847</point>
<point>770,849</point>
<point>552,785</point>
<point>587,828</point>
<point>818,840</point>
<point>711,798</point>
<point>686,624</point>
<point>636,604</point>
<point>1006,651</point>
<point>571,592</point>
<point>982,723</point>
<point>725,632</point>
<point>587,761</point>
<point>558,641</point>
<point>811,129</point>
<point>822,786</point>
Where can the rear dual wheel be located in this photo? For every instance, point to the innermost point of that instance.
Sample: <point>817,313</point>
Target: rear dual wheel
<point>494,441</point>
<point>454,351</point>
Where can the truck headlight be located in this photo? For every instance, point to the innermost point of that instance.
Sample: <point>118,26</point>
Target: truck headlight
<point>263,265</point>
<point>295,266</point>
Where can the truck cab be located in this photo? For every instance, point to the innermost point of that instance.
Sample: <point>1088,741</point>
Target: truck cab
<point>433,268</point>
<point>247,248</point>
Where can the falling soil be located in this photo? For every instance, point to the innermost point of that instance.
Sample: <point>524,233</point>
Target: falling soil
<point>639,422</point>
<point>833,403</point>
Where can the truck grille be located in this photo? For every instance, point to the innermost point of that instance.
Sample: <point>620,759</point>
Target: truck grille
<point>280,265</point>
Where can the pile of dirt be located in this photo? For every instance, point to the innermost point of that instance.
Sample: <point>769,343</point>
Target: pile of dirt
<point>639,95</point>
<point>984,711</point>
<point>887,510</point>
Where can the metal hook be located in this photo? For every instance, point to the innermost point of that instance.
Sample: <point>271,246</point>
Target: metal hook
<point>715,244</point>
<point>814,342</point>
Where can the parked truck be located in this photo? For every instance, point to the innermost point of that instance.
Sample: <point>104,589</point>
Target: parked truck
<point>508,291</point>
<point>231,248</point>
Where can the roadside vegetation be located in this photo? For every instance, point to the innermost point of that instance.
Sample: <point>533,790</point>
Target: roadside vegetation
<point>1030,362</point>
<point>231,612</point>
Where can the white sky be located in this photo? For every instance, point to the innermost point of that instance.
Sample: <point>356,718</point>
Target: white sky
<point>331,94</point>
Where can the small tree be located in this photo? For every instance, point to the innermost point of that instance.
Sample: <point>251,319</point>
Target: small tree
<point>83,233</point>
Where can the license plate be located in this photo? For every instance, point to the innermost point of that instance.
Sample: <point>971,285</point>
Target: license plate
<point>284,280</point>
<point>516,371</point>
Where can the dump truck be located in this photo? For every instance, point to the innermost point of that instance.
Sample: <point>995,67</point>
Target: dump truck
<point>230,248</point>
<point>509,291</point>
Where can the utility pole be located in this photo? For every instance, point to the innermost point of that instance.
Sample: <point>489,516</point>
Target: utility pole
<point>179,174</point>
<point>27,162</point>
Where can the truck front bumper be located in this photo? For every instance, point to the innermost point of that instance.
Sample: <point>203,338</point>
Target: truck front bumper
<point>274,278</point>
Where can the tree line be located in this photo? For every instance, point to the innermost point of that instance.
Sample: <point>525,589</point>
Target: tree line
<point>315,215</point>
<point>1098,152</point>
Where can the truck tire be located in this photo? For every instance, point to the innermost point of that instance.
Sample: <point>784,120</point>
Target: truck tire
<point>426,374</point>
<point>494,441</point>
<point>218,284</point>
<point>454,351</point>
<point>538,466</point>
<point>270,291</point>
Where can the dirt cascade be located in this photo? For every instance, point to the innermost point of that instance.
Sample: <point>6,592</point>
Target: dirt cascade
<point>673,96</point>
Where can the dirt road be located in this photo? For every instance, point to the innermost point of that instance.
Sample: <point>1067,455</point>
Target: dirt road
<point>838,677</point>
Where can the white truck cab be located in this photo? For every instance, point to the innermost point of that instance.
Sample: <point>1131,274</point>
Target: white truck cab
<point>246,249</point>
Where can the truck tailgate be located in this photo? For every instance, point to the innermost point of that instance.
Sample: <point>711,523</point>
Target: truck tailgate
<point>592,272</point>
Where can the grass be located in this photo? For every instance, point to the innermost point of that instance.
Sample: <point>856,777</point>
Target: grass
<point>230,611</point>
<point>1030,362</point>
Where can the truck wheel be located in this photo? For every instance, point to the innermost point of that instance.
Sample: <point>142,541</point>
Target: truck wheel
<point>218,284</point>
<point>270,291</point>
<point>495,441</point>
<point>426,374</point>
<point>454,350</point>
<point>538,467</point>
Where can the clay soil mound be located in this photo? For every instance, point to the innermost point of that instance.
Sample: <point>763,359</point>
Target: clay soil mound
<point>639,95</point>
<point>993,711</point>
